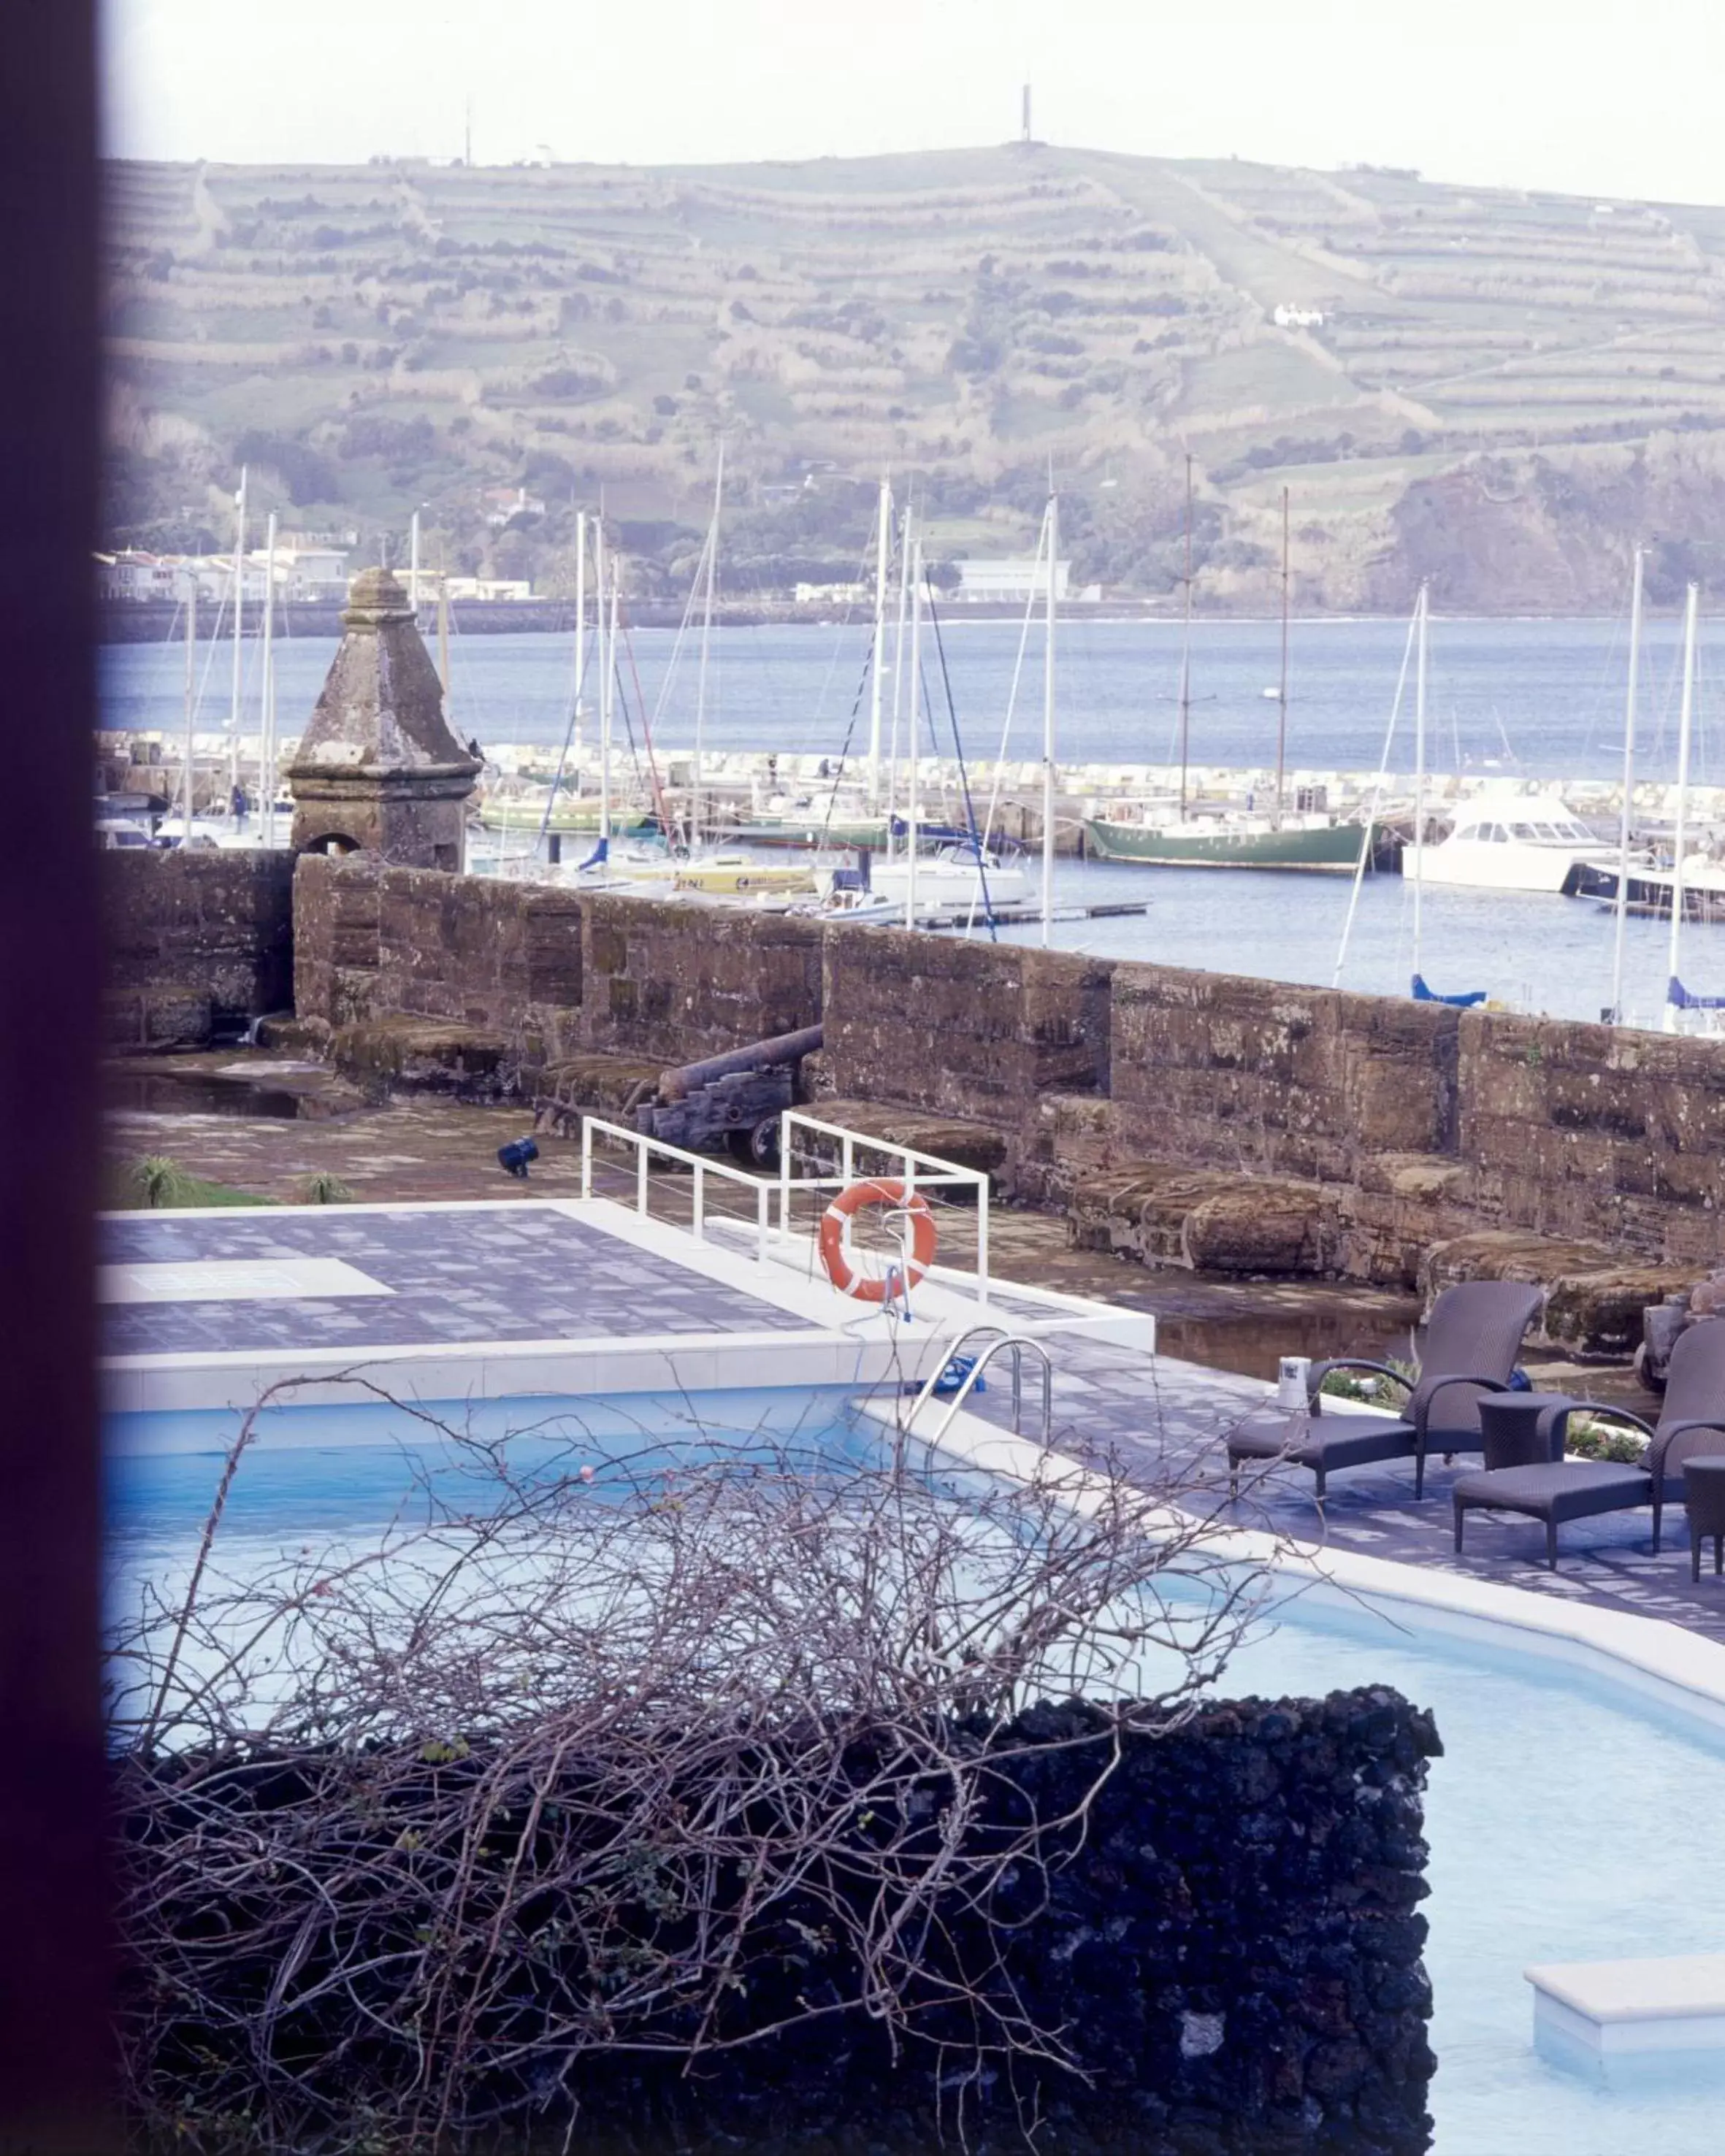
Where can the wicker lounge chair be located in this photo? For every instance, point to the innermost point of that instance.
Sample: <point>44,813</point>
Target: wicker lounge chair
<point>1691,1420</point>
<point>1471,1343</point>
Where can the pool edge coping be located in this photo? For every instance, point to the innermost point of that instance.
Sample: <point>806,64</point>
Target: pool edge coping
<point>1681,1671</point>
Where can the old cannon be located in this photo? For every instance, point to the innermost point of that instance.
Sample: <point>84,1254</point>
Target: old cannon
<point>733,1100</point>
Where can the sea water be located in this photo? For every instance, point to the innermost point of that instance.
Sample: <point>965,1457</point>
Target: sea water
<point>1531,699</point>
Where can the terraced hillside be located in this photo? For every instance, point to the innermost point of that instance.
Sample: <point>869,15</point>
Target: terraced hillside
<point>1498,390</point>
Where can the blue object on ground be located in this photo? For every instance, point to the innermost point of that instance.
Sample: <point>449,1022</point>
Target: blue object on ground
<point>1422,994</point>
<point>952,1377</point>
<point>513,1158</point>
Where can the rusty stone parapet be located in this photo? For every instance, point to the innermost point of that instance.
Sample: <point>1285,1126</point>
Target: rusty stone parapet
<point>1190,1118</point>
<point>335,949</point>
<point>674,982</point>
<point>199,943</point>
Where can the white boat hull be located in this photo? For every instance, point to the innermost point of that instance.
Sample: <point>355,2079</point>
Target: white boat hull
<point>1479,865</point>
<point>948,893</point>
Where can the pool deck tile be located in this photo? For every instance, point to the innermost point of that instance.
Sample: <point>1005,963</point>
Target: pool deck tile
<point>1151,1418</point>
<point>457,1276</point>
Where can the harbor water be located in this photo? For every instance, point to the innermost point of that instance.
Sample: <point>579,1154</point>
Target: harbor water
<point>1536,700</point>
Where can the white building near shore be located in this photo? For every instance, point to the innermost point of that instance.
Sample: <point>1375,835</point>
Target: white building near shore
<point>1016,580</point>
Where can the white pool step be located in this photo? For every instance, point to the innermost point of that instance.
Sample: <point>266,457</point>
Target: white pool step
<point>1611,2010</point>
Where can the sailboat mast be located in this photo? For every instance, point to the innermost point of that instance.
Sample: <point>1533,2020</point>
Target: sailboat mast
<point>904,547</point>
<point>883,551</point>
<point>1185,648</point>
<point>1679,836</point>
<point>266,746</point>
<point>239,628</point>
<point>1622,908</point>
<point>706,641</point>
<point>913,790</point>
<point>580,630</point>
<point>1282,692</point>
<point>1419,770</point>
<point>607,654</point>
<point>191,697</point>
<point>1054,538</point>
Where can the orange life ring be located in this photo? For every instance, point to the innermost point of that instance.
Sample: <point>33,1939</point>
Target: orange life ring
<point>835,1238</point>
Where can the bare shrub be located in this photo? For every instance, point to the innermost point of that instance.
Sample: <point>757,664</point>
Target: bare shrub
<point>606,1762</point>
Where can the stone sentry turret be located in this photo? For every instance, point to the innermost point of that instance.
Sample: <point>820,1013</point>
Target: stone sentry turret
<point>377,766</point>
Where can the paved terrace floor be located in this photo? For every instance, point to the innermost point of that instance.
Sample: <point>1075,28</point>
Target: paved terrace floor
<point>496,1272</point>
<point>1171,1419</point>
<point>437,1149</point>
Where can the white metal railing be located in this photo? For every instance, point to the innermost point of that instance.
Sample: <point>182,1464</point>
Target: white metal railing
<point>920,1171</point>
<point>917,1171</point>
<point>700,1166</point>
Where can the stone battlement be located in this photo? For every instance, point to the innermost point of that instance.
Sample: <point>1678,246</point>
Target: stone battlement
<point>1177,1116</point>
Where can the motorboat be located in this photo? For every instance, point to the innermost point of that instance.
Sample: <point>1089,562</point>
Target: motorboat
<point>1651,882</point>
<point>1509,841</point>
<point>953,886</point>
<point>119,833</point>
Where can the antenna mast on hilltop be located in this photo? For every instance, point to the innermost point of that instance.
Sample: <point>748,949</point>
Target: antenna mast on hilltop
<point>1024,121</point>
<point>468,140</point>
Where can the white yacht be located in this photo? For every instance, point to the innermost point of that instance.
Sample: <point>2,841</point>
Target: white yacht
<point>951,887</point>
<point>1508,841</point>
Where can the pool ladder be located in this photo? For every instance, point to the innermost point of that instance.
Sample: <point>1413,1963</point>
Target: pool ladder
<point>999,1343</point>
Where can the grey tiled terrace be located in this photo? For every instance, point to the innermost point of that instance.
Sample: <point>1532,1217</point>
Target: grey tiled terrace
<point>504,1272</point>
<point>1162,1419</point>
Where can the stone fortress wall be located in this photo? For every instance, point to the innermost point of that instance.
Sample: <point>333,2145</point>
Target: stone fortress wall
<point>1181,1118</point>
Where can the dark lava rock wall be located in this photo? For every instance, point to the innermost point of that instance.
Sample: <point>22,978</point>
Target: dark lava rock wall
<point>1237,1949</point>
<point>1233,1949</point>
<point>1220,1931</point>
<point>199,944</point>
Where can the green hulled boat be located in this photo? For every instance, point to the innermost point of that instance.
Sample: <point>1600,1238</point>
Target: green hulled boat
<point>1311,844</point>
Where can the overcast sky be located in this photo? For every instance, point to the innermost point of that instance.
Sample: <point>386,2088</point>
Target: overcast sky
<point>1523,93</point>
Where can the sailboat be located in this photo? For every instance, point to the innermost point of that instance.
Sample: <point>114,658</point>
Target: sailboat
<point>1145,835</point>
<point>960,882</point>
<point>839,813</point>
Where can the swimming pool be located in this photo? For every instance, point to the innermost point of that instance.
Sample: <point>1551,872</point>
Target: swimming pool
<point>1553,1818</point>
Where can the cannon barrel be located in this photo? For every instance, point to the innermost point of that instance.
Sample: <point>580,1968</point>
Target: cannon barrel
<point>678,1083</point>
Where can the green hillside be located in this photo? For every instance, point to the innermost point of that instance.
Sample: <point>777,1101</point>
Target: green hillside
<point>1504,390</point>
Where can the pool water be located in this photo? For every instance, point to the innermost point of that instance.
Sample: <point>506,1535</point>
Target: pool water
<point>1566,1822</point>
<point>1569,1819</point>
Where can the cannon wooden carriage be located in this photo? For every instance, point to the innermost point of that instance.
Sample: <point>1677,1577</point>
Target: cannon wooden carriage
<point>733,1101</point>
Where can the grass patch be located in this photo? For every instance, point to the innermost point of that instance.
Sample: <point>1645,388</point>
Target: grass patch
<point>1586,1439</point>
<point>1364,1385</point>
<point>156,1184</point>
